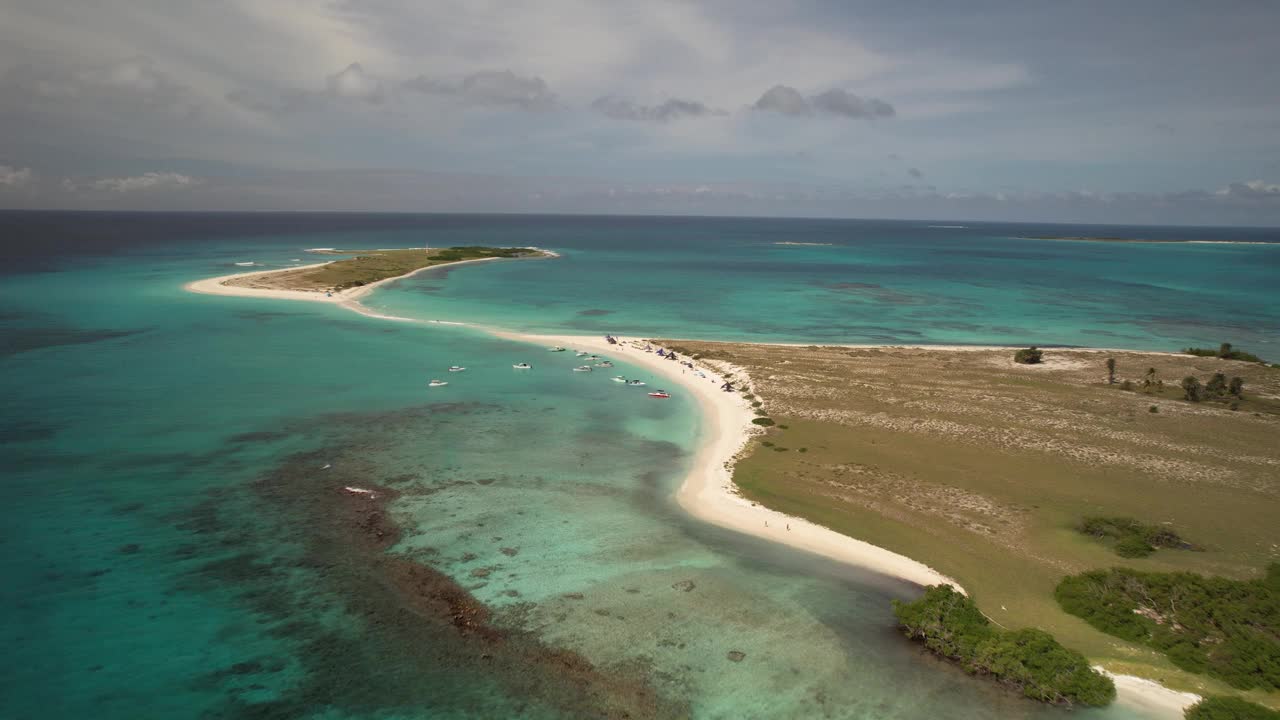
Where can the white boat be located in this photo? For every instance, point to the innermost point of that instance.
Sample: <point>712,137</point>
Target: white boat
<point>660,394</point>
<point>456,368</point>
<point>618,379</point>
<point>582,368</point>
<point>246,264</point>
<point>582,353</point>
<point>604,364</point>
<point>557,348</point>
<point>437,383</point>
<point>522,366</point>
<point>636,383</point>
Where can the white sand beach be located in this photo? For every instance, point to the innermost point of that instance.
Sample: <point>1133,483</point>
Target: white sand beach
<point>708,492</point>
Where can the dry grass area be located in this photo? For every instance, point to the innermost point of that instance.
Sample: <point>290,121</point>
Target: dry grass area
<point>981,467</point>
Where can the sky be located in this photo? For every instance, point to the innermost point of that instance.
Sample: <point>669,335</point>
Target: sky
<point>1090,111</point>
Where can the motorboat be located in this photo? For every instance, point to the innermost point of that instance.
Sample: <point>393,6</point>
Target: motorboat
<point>456,368</point>
<point>618,379</point>
<point>522,366</point>
<point>660,394</point>
<point>582,368</point>
<point>555,348</point>
<point>582,353</point>
<point>604,364</point>
<point>437,383</point>
<point>636,383</point>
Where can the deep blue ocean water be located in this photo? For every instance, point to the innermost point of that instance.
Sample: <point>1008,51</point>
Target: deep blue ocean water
<point>176,543</point>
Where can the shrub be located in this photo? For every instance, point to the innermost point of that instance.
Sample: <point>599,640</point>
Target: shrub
<point>1236,386</point>
<point>1126,385</point>
<point>1029,660</point>
<point>1191,388</point>
<point>762,422</point>
<point>1153,409</point>
<point>1111,371</point>
<point>1217,385</point>
<point>1133,546</point>
<point>1217,626</point>
<point>1224,351</point>
<point>1028,356</point>
<point>1229,708</point>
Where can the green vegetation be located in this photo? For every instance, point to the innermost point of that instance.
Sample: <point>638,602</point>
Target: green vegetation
<point>950,625</point>
<point>1028,356</point>
<point>1111,372</point>
<point>762,422</point>
<point>1132,538</point>
<point>1229,708</point>
<point>1225,352</point>
<point>370,267</point>
<point>1191,388</point>
<point>1227,629</point>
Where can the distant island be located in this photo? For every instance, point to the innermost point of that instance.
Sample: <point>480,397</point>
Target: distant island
<point>348,279</point>
<point>811,244</point>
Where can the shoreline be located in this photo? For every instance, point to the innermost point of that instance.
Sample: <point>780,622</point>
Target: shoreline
<point>707,492</point>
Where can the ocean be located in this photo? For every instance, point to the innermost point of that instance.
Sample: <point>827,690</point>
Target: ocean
<point>177,542</point>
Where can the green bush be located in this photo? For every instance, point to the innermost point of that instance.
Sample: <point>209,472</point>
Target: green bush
<point>1028,356</point>
<point>1229,708</point>
<point>1029,660</point>
<point>1191,388</point>
<point>1219,627</point>
<point>1225,351</point>
<point>1133,546</point>
<point>762,422</point>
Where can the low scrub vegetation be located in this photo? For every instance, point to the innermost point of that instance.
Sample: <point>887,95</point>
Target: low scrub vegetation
<point>1029,356</point>
<point>1229,708</point>
<point>1029,660</point>
<point>1226,629</point>
<point>1224,351</point>
<point>1132,538</point>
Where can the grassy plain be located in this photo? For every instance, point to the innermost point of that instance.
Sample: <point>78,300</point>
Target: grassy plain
<point>982,468</point>
<point>371,266</point>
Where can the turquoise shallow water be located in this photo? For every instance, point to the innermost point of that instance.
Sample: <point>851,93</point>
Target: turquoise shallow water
<point>176,544</point>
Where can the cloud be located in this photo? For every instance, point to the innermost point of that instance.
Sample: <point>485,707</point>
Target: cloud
<point>786,100</point>
<point>915,172</point>
<point>12,177</point>
<point>499,88</point>
<point>353,83</point>
<point>134,183</point>
<point>673,109</point>
<point>1251,189</point>
<point>136,83</point>
<point>845,103</point>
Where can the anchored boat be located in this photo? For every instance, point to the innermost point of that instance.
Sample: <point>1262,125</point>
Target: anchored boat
<point>437,383</point>
<point>582,368</point>
<point>456,368</point>
<point>660,394</point>
<point>522,366</point>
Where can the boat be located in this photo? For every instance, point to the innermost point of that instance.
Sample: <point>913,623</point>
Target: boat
<point>557,348</point>
<point>437,383</point>
<point>660,394</point>
<point>582,353</point>
<point>582,368</point>
<point>618,379</point>
<point>522,366</point>
<point>604,364</point>
<point>456,368</point>
<point>246,264</point>
<point>636,383</point>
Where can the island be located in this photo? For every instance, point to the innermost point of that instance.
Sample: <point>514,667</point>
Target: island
<point>355,276</point>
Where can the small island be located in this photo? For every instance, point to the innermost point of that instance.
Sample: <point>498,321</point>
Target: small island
<point>355,275</point>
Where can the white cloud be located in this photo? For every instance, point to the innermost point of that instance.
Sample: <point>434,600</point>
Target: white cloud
<point>490,88</point>
<point>352,82</point>
<point>12,177</point>
<point>134,183</point>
